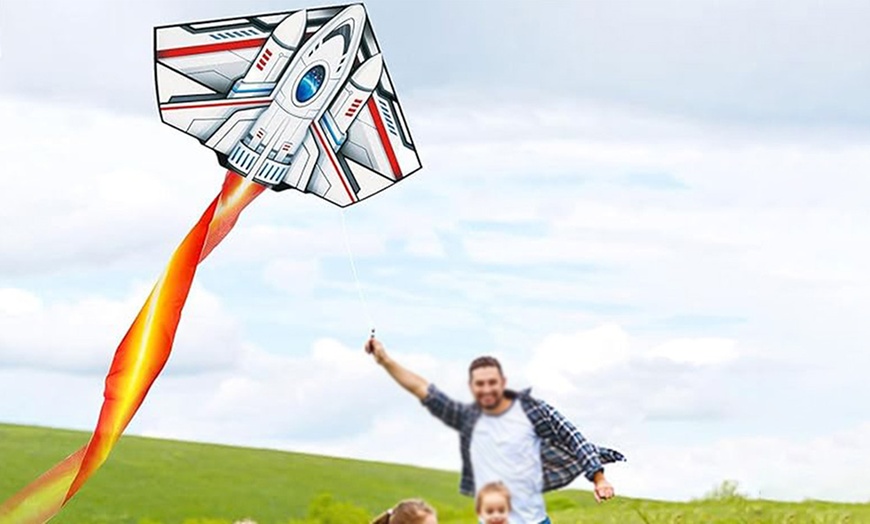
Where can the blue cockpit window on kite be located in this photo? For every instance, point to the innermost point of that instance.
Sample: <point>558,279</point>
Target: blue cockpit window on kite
<point>310,84</point>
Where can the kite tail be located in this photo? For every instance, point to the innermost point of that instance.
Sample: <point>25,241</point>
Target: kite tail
<point>138,360</point>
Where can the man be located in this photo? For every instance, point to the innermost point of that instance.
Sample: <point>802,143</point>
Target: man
<point>508,436</point>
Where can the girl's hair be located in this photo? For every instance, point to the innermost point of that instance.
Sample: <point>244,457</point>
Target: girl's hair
<point>493,487</point>
<point>411,511</point>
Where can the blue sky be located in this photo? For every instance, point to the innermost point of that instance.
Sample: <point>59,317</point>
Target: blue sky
<point>654,212</point>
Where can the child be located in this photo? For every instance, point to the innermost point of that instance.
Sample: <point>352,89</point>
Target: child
<point>411,511</point>
<point>493,504</point>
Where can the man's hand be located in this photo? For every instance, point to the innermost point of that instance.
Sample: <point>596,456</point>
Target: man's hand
<point>374,347</point>
<point>603,490</point>
<point>409,380</point>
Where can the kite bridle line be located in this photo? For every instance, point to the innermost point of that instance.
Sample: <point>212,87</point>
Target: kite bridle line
<point>362,298</point>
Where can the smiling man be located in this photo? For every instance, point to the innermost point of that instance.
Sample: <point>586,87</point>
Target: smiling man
<point>508,436</point>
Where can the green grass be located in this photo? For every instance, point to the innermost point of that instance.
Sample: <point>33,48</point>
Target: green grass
<point>169,482</point>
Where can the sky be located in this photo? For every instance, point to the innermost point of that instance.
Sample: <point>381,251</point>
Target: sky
<point>653,212</point>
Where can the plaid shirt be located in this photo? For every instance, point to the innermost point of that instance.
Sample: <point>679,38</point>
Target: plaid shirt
<point>565,453</point>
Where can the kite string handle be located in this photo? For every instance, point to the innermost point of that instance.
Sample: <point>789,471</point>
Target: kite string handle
<point>359,289</point>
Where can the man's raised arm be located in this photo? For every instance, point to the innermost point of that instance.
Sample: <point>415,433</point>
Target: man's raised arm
<point>417,385</point>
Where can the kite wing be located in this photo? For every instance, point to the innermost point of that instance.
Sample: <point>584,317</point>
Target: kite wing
<point>290,100</point>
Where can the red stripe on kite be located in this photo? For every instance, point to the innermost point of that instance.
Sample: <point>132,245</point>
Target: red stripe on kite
<point>328,151</point>
<point>238,103</point>
<point>382,132</point>
<point>210,48</point>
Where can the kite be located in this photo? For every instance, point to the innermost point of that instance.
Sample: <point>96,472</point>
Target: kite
<point>297,100</point>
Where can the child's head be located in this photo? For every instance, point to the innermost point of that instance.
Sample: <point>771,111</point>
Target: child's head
<point>493,503</point>
<point>411,511</point>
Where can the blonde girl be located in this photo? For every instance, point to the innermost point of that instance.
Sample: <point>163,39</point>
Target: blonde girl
<point>493,504</point>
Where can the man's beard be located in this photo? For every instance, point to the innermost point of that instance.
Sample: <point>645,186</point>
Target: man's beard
<point>489,401</point>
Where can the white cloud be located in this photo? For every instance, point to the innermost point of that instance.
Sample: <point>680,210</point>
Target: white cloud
<point>18,302</point>
<point>606,376</point>
<point>832,465</point>
<point>1,33</point>
<point>110,187</point>
<point>696,351</point>
<point>51,398</point>
<point>573,247</point>
<point>425,244</point>
<point>297,276</point>
<point>81,336</point>
<point>578,354</point>
<point>331,395</point>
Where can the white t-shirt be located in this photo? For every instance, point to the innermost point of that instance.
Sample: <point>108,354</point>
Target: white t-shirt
<point>505,448</point>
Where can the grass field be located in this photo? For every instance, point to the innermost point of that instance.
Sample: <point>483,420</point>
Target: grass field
<point>150,481</point>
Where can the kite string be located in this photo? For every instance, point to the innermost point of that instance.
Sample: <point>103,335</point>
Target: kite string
<point>359,289</point>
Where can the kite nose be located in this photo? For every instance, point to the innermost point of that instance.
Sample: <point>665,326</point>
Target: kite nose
<point>291,30</point>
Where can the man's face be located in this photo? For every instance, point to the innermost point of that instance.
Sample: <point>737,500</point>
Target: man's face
<point>487,386</point>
